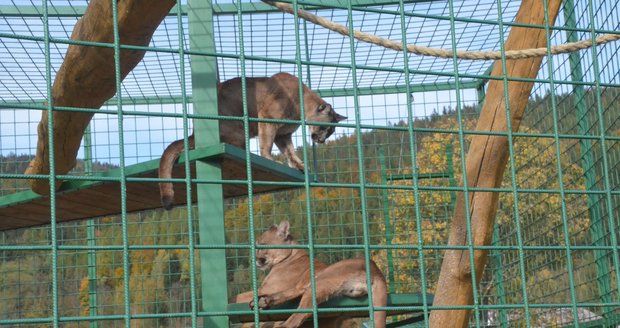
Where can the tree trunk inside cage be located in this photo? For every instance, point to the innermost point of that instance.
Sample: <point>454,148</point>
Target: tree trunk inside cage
<point>87,77</point>
<point>485,165</point>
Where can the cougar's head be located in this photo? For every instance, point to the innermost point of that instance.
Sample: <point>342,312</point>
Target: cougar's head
<point>323,113</point>
<point>275,235</point>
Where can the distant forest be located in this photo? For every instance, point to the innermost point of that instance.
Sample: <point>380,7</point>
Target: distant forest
<point>159,279</point>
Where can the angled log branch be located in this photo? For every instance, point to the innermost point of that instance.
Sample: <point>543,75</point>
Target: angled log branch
<point>86,78</point>
<point>485,164</point>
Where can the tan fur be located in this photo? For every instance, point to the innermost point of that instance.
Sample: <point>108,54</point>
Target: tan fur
<point>274,97</point>
<point>289,278</point>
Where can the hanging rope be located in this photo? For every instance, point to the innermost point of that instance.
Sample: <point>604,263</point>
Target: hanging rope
<point>444,53</point>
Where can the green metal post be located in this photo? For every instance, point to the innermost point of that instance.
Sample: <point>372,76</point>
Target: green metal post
<point>498,272</point>
<point>210,196</point>
<point>92,271</point>
<point>315,162</point>
<point>88,152</point>
<point>481,95</point>
<point>451,179</point>
<point>597,228</point>
<point>386,218</point>
<point>90,236</point>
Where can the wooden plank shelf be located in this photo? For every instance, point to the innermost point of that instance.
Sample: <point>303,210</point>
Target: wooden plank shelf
<point>394,300</point>
<point>86,199</point>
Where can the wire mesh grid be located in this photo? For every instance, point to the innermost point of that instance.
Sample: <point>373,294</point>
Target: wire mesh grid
<point>552,259</point>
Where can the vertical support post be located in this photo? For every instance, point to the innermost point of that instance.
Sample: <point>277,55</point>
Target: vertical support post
<point>498,272</point>
<point>315,162</point>
<point>481,95</point>
<point>450,171</point>
<point>92,271</point>
<point>386,218</point>
<point>91,238</point>
<point>206,132</point>
<point>88,152</point>
<point>474,213</point>
<point>597,228</point>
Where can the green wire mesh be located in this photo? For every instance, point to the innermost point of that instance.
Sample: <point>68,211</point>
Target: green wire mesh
<point>385,184</point>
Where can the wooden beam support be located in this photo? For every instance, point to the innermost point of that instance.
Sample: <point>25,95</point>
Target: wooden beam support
<point>87,78</point>
<point>485,165</point>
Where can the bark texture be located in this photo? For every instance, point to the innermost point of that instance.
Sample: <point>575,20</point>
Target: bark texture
<point>87,78</point>
<point>485,164</point>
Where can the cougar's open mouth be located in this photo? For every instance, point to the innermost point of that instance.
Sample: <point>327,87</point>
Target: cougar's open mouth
<point>317,139</point>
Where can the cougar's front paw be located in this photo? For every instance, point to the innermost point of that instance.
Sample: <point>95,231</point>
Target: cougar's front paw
<point>264,302</point>
<point>301,167</point>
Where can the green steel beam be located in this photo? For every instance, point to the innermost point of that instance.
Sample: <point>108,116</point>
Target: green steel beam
<point>341,92</point>
<point>438,175</point>
<point>150,100</point>
<point>393,300</point>
<point>597,227</point>
<point>482,82</point>
<point>451,178</point>
<point>36,11</point>
<point>210,197</point>
<point>259,7</point>
<point>481,93</point>
<point>387,220</point>
<point>218,9</point>
<point>364,91</point>
<point>498,275</point>
<point>91,237</point>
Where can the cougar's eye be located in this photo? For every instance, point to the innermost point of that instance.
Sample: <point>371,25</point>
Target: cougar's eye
<point>321,107</point>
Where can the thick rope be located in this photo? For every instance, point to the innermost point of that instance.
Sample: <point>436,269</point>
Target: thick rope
<point>444,53</point>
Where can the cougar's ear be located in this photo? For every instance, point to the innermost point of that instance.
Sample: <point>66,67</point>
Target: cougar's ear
<point>339,117</point>
<point>283,229</point>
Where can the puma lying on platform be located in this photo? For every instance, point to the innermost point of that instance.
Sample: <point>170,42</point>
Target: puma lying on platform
<point>289,278</point>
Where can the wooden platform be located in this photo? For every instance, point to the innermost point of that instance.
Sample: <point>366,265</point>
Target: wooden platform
<point>395,300</point>
<point>86,199</point>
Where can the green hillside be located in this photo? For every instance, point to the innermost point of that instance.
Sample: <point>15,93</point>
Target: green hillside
<point>159,278</point>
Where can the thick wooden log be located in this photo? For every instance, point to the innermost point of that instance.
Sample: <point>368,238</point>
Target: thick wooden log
<point>485,164</point>
<point>87,78</point>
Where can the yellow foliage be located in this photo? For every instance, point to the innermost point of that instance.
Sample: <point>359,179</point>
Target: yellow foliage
<point>84,297</point>
<point>119,274</point>
<point>424,220</point>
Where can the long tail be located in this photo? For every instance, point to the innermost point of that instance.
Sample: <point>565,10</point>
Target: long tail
<point>379,297</point>
<point>168,158</point>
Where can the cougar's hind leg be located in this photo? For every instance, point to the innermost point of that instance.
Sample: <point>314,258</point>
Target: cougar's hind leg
<point>325,289</point>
